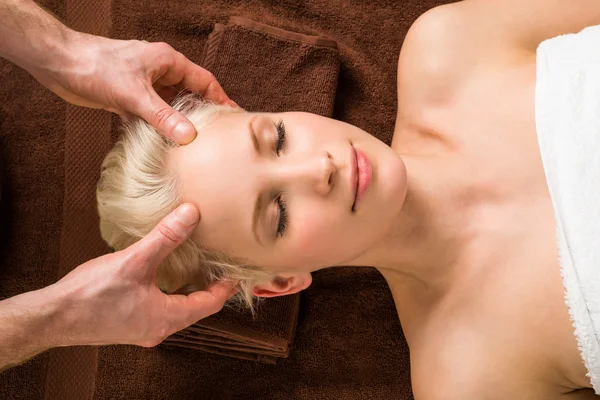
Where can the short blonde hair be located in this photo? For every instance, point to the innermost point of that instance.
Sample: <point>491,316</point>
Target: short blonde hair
<point>137,190</point>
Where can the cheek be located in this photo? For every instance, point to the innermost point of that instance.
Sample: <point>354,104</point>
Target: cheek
<point>317,237</point>
<point>310,233</point>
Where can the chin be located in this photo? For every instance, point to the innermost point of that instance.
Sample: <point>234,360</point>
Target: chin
<point>392,180</point>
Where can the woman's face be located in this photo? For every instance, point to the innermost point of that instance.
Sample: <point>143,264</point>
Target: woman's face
<point>278,190</point>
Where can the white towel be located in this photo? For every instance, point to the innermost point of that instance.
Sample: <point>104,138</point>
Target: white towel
<point>567,113</point>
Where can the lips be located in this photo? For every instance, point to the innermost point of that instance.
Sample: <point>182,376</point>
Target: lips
<point>360,175</point>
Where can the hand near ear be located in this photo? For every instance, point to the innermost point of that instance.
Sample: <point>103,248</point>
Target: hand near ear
<point>114,299</point>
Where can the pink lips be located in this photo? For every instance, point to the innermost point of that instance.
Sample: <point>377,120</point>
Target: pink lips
<point>361,176</point>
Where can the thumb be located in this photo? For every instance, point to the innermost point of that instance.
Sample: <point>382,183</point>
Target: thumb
<point>168,122</point>
<point>173,230</point>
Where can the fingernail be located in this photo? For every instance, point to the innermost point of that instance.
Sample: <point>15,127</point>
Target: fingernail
<point>187,214</point>
<point>184,132</point>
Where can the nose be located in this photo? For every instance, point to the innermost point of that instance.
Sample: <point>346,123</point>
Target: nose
<point>312,173</point>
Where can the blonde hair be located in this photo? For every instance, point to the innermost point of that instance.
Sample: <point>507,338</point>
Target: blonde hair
<point>137,190</point>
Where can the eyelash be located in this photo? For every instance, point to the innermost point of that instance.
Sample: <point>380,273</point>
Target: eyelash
<point>280,137</point>
<point>282,216</point>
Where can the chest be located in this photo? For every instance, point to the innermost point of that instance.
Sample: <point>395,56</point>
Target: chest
<point>509,294</point>
<point>511,324</point>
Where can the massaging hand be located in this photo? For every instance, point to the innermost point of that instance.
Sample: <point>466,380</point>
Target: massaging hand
<point>126,77</point>
<point>114,297</point>
<point>131,77</point>
<point>110,300</point>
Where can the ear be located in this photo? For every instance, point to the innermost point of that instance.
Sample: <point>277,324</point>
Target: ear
<point>283,285</point>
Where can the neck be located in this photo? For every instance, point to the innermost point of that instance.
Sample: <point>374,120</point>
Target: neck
<point>429,235</point>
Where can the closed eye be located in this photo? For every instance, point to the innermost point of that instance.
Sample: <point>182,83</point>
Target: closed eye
<point>283,218</point>
<point>280,137</point>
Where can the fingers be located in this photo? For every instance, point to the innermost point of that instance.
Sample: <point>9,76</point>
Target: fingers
<point>164,118</point>
<point>203,82</point>
<point>170,68</point>
<point>186,310</point>
<point>178,70</point>
<point>173,230</point>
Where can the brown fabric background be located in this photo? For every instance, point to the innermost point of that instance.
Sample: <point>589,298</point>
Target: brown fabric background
<point>32,127</point>
<point>71,370</point>
<point>348,344</point>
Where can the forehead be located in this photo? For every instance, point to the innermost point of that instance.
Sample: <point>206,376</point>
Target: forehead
<point>214,172</point>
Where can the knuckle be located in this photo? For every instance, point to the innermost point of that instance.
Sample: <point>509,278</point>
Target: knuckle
<point>150,343</point>
<point>163,47</point>
<point>155,338</point>
<point>214,308</point>
<point>167,330</point>
<point>219,306</point>
<point>137,45</point>
<point>162,115</point>
<point>210,76</point>
<point>168,236</point>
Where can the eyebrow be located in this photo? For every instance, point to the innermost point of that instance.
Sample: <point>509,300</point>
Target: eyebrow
<point>259,205</point>
<point>253,135</point>
<point>258,209</point>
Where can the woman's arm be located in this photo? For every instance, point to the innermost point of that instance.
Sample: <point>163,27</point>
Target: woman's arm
<point>525,24</point>
<point>452,42</point>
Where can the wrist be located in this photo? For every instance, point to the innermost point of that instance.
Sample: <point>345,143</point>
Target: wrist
<point>62,315</point>
<point>51,57</point>
<point>37,315</point>
<point>31,37</point>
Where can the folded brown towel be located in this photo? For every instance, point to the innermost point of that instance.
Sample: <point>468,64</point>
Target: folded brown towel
<point>268,69</point>
<point>263,68</point>
<point>265,338</point>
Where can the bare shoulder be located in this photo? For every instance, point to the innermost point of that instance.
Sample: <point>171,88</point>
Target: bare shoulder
<point>430,48</point>
<point>426,66</point>
<point>445,50</point>
<point>453,52</point>
<point>450,43</point>
<point>432,42</point>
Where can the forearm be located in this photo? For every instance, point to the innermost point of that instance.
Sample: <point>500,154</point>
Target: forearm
<point>31,323</point>
<point>30,37</point>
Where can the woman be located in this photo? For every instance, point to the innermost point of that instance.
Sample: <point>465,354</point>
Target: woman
<point>457,214</point>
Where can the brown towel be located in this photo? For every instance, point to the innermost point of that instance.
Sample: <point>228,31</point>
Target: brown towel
<point>235,334</point>
<point>264,69</point>
<point>268,69</point>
